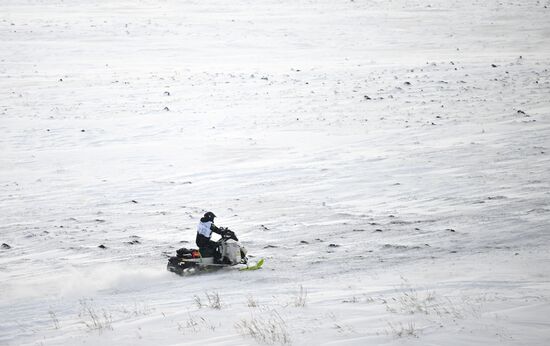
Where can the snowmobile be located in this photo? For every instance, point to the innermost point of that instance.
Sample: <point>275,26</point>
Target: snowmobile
<point>229,252</point>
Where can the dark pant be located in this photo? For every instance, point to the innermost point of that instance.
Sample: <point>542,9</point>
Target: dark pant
<point>207,247</point>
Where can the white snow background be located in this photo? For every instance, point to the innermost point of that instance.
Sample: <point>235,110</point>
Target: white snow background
<point>388,159</point>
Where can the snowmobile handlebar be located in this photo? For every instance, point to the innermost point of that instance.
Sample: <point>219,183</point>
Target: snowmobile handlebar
<point>227,234</point>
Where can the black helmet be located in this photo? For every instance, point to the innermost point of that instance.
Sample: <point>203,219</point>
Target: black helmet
<point>209,216</point>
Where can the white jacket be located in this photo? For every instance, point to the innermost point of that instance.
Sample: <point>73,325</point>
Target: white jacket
<point>204,228</point>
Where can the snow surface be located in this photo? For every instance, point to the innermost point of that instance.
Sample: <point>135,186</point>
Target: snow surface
<point>388,159</point>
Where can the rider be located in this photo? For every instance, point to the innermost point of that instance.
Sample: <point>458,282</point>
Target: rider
<point>204,232</point>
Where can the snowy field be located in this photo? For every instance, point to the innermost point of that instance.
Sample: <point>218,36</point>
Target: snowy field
<point>389,159</point>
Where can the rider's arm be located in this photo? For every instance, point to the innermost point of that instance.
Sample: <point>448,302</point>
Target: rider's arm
<point>215,229</point>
